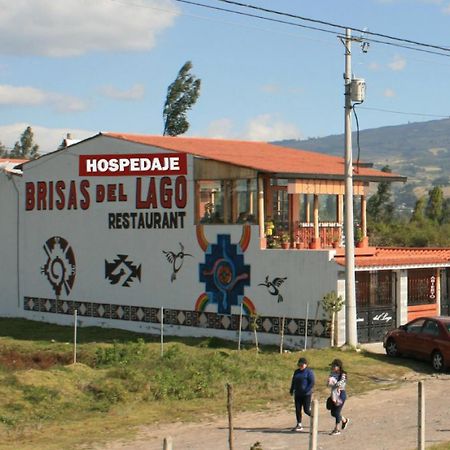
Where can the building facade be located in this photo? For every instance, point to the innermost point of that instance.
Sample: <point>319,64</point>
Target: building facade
<point>131,231</point>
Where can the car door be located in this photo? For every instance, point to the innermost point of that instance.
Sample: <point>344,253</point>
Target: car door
<point>426,339</point>
<point>408,341</point>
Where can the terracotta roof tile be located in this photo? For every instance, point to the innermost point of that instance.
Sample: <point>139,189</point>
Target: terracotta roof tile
<point>399,256</point>
<point>257,155</point>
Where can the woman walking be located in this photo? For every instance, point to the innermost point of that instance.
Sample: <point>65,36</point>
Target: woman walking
<point>337,381</point>
<point>302,385</point>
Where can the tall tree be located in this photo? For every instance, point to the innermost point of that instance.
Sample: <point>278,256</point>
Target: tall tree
<point>3,151</point>
<point>25,148</point>
<point>418,214</point>
<point>379,206</point>
<point>181,96</point>
<point>435,204</point>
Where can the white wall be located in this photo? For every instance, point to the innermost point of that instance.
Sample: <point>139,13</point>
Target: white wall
<point>9,303</point>
<point>309,274</point>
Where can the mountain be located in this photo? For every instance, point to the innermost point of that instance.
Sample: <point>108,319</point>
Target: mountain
<point>419,151</point>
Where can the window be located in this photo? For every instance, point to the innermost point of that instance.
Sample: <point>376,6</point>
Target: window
<point>431,327</point>
<point>415,327</point>
<point>227,201</point>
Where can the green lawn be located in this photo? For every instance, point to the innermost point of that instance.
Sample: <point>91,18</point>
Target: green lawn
<point>121,381</point>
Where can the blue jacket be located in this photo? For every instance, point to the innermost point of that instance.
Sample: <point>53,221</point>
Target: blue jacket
<point>302,382</point>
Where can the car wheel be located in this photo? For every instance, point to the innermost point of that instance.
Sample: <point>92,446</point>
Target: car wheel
<point>391,348</point>
<point>437,361</point>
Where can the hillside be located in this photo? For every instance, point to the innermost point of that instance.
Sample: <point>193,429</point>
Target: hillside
<point>419,150</point>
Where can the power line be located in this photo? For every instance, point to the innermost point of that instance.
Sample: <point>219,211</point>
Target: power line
<point>406,113</point>
<point>330,24</point>
<point>323,30</point>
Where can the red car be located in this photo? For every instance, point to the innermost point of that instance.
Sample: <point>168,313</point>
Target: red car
<point>426,338</point>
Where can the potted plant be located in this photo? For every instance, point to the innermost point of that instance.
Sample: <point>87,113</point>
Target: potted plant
<point>285,240</point>
<point>298,242</point>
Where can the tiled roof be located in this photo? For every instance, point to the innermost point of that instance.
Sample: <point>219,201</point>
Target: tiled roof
<point>9,165</point>
<point>397,256</point>
<point>259,156</point>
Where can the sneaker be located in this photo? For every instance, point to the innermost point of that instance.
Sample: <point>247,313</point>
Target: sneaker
<point>344,424</point>
<point>298,427</point>
<point>334,432</point>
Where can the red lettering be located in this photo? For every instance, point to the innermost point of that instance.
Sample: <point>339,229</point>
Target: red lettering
<point>122,195</point>
<point>84,189</point>
<point>29,196</point>
<point>41,195</point>
<point>100,193</point>
<point>166,192</point>
<point>60,187</point>
<point>180,192</point>
<point>111,197</point>
<point>151,199</point>
<point>50,195</point>
<point>72,202</point>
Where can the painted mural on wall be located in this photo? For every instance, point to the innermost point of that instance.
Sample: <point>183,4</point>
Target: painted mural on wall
<point>176,259</point>
<point>60,267</point>
<point>122,271</point>
<point>224,272</point>
<point>273,286</point>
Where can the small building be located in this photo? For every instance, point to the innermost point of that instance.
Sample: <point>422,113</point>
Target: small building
<point>131,230</point>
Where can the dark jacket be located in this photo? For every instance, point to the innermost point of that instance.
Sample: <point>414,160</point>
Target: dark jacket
<point>302,382</point>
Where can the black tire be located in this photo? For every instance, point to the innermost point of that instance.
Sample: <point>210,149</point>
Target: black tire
<point>391,348</point>
<point>437,361</point>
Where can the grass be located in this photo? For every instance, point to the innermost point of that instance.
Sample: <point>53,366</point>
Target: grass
<point>121,381</point>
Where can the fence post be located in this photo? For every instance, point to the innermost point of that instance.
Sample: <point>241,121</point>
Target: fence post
<point>162,331</point>
<point>167,444</point>
<point>314,425</point>
<point>282,335</point>
<point>230,414</point>
<point>75,324</point>
<point>421,417</point>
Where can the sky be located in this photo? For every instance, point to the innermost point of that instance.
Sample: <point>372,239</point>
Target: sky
<point>83,66</point>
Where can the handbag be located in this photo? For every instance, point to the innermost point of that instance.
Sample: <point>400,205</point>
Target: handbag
<point>329,403</point>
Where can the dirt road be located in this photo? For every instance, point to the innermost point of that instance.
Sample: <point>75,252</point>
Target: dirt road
<point>385,419</point>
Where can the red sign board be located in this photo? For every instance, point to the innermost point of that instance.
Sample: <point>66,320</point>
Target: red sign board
<point>151,164</point>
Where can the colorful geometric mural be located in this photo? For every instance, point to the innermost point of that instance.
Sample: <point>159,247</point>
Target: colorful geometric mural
<point>224,273</point>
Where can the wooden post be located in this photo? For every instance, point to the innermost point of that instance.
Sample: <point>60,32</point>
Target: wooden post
<point>162,331</point>
<point>167,444</point>
<point>75,325</point>
<point>314,425</point>
<point>421,417</point>
<point>240,328</point>
<point>282,335</point>
<point>230,414</point>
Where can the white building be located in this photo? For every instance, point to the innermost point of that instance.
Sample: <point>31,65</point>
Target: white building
<point>120,226</point>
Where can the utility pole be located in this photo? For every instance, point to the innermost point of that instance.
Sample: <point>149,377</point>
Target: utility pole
<point>350,291</point>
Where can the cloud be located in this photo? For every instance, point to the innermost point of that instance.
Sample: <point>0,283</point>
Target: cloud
<point>398,63</point>
<point>446,9</point>
<point>271,88</point>
<point>48,139</point>
<point>388,92</point>
<point>30,96</point>
<point>265,127</point>
<point>221,129</point>
<point>374,66</point>
<point>74,27</point>
<point>136,92</point>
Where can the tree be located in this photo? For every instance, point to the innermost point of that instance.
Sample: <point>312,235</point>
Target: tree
<point>181,95</point>
<point>418,214</point>
<point>435,204</point>
<point>332,304</point>
<point>3,151</point>
<point>380,206</point>
<point>25,148</point>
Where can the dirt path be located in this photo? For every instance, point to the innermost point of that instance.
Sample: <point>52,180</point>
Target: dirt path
<point>380,420</point>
